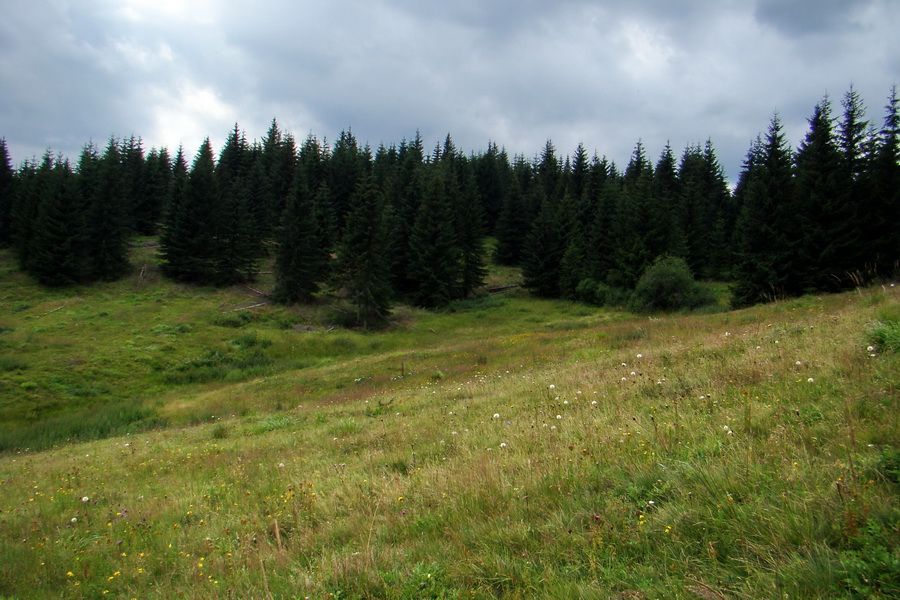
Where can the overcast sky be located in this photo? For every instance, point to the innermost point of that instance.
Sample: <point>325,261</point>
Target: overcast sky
<point>515,72</point>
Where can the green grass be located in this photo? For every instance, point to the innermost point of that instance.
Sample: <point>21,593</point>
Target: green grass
<point>509,448</point>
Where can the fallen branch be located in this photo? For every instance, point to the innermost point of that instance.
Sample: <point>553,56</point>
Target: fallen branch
<point>52,311</point>
<point>252,306</point>
<point>253,289</point>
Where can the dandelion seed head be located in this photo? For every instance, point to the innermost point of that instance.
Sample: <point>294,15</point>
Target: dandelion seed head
<point>810,380</point>
<point>496,415</point>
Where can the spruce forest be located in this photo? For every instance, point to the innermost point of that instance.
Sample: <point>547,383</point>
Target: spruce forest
<point>408,225</point>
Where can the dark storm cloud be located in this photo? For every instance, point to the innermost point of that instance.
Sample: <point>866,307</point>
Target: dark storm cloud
<point>513,72</point>
<point>793,17</point>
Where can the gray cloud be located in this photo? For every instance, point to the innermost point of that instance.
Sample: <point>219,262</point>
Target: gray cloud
<point>513,72</point>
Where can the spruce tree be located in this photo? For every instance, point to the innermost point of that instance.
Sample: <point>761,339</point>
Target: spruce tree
<point>143,208</point>
<point>159,181</point>
<point>405,202</point>
<point>239,237</point>
<point>763,230</point>
<point>346,167</point>
<point>470,228</point>
<point>853,144</point>
<point>23,211</point>
<point>54,250</point>
<point>190,246</point>
<point>106,222</point>
<point>300,257</point>
<point>824,226</point>
<point>883,228</point>
<point>279,156</point>
<point>7,191</point>
<point>434,266</point>
<point>543,252</point>
<point>492,177</point>
<point>362,268</point>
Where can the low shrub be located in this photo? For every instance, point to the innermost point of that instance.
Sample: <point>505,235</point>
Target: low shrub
<point>669,285</point>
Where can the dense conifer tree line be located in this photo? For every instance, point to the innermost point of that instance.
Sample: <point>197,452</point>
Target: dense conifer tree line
<point>400,224</point>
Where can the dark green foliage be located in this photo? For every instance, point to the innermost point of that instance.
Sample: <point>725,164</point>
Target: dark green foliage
<point>143,207</point>
<point>405,192</point>
<point>190,253</point>
<point>347,166</point>
<point>705,215</point>
<point>871,567</point>
<point>279,157</point>
<point>362,267</point>
<point>640,227</point>
<point>7,191</point>
<point>434,266</point>
<point>300,256</point>
<point>513,224</point>
<point>597,293</point>
<point>492,176</point>
<point>821,220</point>
<point>470,227</point>
<point>159,184</point>
<point>767,219</point>
<point>54,254</point>
<point>543,252</point>
<point>106,225</point>
<point>239,241</point>
<point>669,285</point>
<point>883,189</point>
<point>823,239</point>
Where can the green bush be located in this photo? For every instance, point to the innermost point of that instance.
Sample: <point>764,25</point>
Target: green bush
<point>669,285</point>
<point>593,292</point>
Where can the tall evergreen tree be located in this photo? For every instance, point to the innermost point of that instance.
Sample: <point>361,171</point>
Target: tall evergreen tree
<point>300,257</point>
<point>666,198</point>
<point>434,253</point>
<point>279,156</point>
<point>239,236</point>
<point>543,251</point>
<point>346,167</point>
<point>23,210</point>
<point>362,267</point>
<point>7,191</point>
<point>824,225</point>
<point>492,177</point>
<point>54,256</point>
<point>762,232</point>
<point>159,181</point>
<point>883,227</point>
<point>406,198</point>
<point>106,222</point>
<point>190,253</point>
<point>143,208</point>
<point>470,228</point>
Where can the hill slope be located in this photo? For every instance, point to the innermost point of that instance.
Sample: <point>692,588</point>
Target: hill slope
<point>524,449</point>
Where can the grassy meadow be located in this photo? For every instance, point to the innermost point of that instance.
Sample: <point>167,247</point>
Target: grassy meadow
<point>161,441</point>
